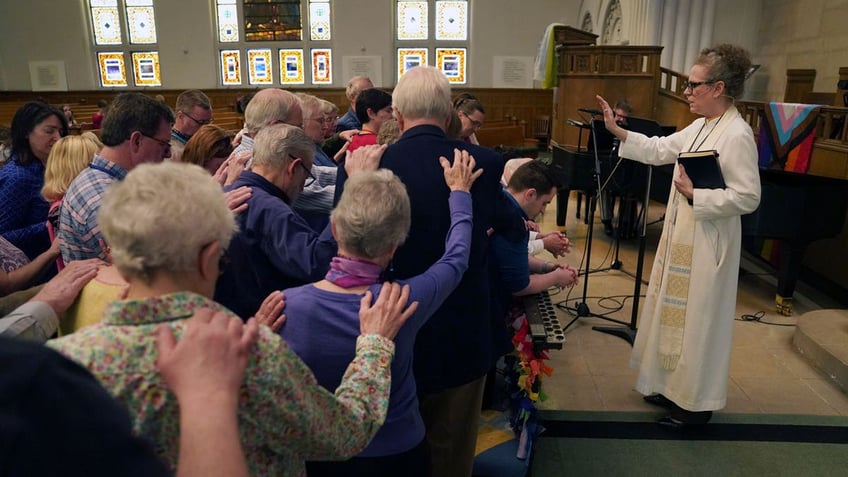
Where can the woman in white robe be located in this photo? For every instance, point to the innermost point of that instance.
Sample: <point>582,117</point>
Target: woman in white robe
<point>685,333</point>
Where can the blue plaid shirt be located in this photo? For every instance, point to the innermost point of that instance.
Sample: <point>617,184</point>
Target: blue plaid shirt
<point>78,230</point>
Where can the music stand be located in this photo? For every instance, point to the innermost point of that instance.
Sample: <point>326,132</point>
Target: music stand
<point>649,128</point>
<point>582,309</point>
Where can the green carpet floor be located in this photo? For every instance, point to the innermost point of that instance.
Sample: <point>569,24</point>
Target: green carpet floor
<point>631,444</point>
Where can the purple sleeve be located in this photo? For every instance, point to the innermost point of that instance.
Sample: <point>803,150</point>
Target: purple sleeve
<point>292,245</point>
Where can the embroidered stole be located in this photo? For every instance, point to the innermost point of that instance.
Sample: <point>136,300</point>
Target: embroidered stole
<point>677,254</point>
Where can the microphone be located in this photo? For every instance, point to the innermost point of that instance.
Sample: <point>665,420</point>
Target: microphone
<point>591,111</point>
<point>575,123</point>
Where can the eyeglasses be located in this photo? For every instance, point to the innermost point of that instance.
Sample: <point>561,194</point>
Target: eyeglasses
<point>310,179</point>
<point>474,123</point>
<point>165,144</point>
<point>198,121</point>
<point>691,85</point>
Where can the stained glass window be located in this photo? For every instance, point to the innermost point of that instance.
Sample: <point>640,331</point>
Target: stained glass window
<point>437,27</point>
<point>319,20</point>
<point>228,24</point>
<point>231,67</point>
<point>412,20</point>
<point>142,24</point>
<point>259,66</point>
<point>105,22</point>
<point>291,66</point>
<point>409,58</point>
<point>272,20</point>
<point>451,61</point>
<point>300,23</point>
<point>452,21</point>
<point>112,70</point>
<point>322,66</point>
<point>146,68</point>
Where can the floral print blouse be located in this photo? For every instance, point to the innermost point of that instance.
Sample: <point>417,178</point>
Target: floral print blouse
<point>285,417</point>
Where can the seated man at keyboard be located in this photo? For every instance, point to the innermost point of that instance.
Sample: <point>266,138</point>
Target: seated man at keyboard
<point>530,189</point>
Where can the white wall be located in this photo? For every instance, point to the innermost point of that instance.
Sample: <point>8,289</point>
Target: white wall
<point>781,34</point>
<point>35,30</point>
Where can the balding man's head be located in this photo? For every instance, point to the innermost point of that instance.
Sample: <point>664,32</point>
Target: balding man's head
<point>356,85</point>
<point>510,167</point>
<point>271,106</point>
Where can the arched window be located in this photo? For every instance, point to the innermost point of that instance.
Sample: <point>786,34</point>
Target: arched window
<point>124,32</point>
<point>266,42</point>
<point>433,29</point>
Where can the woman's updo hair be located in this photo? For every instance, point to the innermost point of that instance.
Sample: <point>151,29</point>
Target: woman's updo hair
<point>727,63</point>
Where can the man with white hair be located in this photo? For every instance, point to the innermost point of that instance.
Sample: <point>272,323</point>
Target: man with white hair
<point>462,341</point>
<point>275,248</point>
<point>356,85</point>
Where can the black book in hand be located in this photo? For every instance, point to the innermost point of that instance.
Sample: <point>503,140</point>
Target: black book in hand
<point>703,168</point>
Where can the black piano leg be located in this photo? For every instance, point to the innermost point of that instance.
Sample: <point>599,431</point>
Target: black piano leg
<point>562,206</point>
<point>791,256</point>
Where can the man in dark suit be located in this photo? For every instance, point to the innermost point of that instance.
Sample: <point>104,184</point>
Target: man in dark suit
<point>461,341</point>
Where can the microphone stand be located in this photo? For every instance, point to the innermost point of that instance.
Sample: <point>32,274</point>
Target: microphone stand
<point>582,309</point>
<point>628,332</point>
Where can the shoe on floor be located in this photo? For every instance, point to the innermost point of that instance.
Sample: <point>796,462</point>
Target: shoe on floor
<point>658,400</point>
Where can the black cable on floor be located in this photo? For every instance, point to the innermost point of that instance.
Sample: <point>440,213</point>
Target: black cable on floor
<point>758,317</point>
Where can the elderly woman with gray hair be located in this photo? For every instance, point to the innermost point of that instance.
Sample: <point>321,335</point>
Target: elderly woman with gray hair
<point>168,226</point>
<point>370,222</point>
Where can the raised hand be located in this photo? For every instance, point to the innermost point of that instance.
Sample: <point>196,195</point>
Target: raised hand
<point>461,174</point>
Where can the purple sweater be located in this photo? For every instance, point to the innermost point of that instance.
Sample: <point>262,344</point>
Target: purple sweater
<point>322,326</point>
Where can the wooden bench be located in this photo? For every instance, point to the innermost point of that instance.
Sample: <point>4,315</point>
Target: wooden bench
<point>505,136</point>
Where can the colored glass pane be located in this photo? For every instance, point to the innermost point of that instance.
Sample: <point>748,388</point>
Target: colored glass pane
<point>228,27</point>
<point>112,70</point>
<point>451,61</point>
<point>319,20</point>
<point>146,68</point>
<point>272,20</point>
<point>452,21</point>
<point>291,66</point>
<point>107,26</point>
<point>230,67</point>
<point>259,67</point>
<point>409,58</point>
<point>412,20</point>
<point>142,25</point>
<point>322,66</point>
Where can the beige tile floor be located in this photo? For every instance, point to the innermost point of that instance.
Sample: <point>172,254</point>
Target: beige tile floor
<point>592,370</point>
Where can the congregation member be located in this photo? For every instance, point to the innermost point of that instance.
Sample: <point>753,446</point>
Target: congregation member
<point>683,346</point>
<point>471,116</point>
<point>373,108</point>
<point>456,348</point>
<point>36,127</point>
<point>275,248</point>
<point>193,110</point>
<point>88,422</point>
<point>69,115</point>
<point>209,148</point>
<point>370,222</point>
<point>68,157</point>
<point>275,106</point>
<point>354,86</point>
<point>530,189</point>
<point>97,117</point>
<point>554,242</point>
<point>168,226</point>
<point>314,125</point>
<point>136,130</point>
